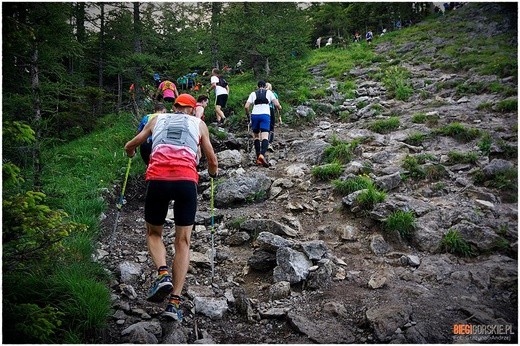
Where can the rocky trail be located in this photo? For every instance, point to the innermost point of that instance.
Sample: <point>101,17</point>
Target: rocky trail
<point>297,262</point>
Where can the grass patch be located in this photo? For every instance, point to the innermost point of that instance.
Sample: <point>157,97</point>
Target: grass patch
<point>508,151</point>
<point>506,181</point>
<point>348,88</point>
<point>385,125</point>
<point>453,242</point>
<point>402,222</point>
<point>416,138</point>
<point>485,144</point>
<point>346,187</point>
<point>485,106</point>
<point>435,172</point>
<point>237,223</point>
<point>455,157</point>
<point>506,106</point>
<point>397,81</point>
<point>412,165</point>
<point>256,196</point>
<point>459,132</point>
<point>220,135</point>
<point>339,151</point>
<point>370,196</point>
<point>419,118</point>
<point>328,171</point>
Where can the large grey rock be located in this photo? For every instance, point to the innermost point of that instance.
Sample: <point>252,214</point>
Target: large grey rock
<point>143,332</point>
<point>483,238</point>
<point>130,272</point>
<point>212,307</point>
<point>429,232</point>
<point>314,249</point>
<point>321,277</point>
<point>305,112</point>
<point>388,182</point>
<point>279,290</point>
<point>293,266</point>
<point>497,166</point>
<point>322,331</point>
<point>386,318</point>
<point>267,225</point>
<point>238,238</point>
<point>309,151</point>
<point>378,245</point>
<point>229,158</point>
<point>262,260</point>
<point>271,242</point>
<point>242,189</point>
<point>174,334</point>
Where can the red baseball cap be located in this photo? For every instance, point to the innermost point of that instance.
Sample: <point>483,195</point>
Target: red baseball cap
<point>186,100</point>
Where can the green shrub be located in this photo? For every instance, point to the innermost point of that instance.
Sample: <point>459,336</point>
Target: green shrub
<point>83,298</point>
<point>370,197</point>
<point>485,144</point>
<point>397,81</point>
<point>344,116</point>
<point>485,106</point>
<point>328,171</point>
<point>423,118</point>
<point>416,138</point>
<point>435,172</point>
<point>256,196</point>
<point>220,135</point>
<point>385,125</point>
<point>506,181</point>
<point>237,223</point>
<point>453,242</point>
<point>346,187</point>
<point>339,151</point>
<point>402,222</point>
<point>419,118</point>
<point>456,157</point>
<point>508,151</point>
<point>411,164</point>
<point>471,88</point>
<point>423,158</point>
<point>459,132</point>
<point>361,104</point>
<point>347,88</point>
<point>35,324</point>
<point>509,105</point>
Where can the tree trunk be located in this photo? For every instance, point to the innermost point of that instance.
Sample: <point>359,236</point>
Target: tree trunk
<point>215,23</point>
<point>35,91</point>
<point>137,50</point>
<point>80,22</point>
<point>101,44</point>
<point>101,52</point>
<point>119,91</point>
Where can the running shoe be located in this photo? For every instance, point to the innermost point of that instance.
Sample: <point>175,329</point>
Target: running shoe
<point>160,289</point>
<point>173,311</point>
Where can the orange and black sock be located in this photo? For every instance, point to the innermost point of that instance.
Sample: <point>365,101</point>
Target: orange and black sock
<point>174,299</point>
<point>163,270</point>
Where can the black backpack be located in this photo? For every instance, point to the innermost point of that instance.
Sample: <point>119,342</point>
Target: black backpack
<point>222,82</point>
<point>261,97</point>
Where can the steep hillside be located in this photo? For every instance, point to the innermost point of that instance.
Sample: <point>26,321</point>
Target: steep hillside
<point>387,216</point>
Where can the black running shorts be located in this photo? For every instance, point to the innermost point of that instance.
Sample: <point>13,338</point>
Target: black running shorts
<point>158,196</point>
<point>221,100</point>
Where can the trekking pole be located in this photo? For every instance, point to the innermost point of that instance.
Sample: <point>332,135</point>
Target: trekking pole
<point>212,201</point>
<point>248,137</point>
<point>119,204</point>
